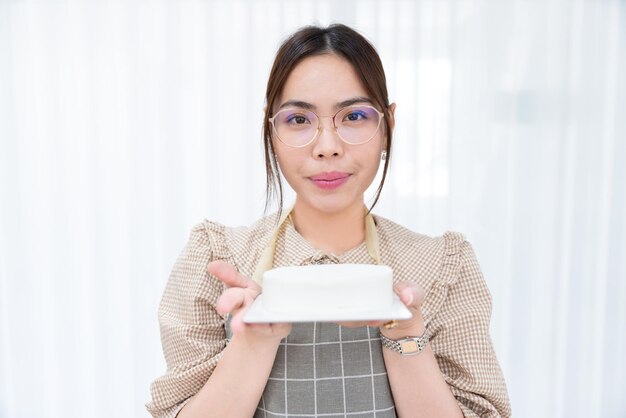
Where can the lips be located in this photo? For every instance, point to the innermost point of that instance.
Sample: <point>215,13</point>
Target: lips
<point>330,180</point>
<point>331,176</point>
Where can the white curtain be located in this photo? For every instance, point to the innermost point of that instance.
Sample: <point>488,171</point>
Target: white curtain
<point>124,123</point>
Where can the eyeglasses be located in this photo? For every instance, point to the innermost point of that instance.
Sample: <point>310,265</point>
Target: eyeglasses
<point>298,128</point>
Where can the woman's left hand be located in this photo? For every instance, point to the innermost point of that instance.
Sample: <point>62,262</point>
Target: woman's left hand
<point>412,295</point>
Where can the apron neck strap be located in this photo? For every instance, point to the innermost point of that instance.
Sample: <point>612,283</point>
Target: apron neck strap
<point>267,256</point>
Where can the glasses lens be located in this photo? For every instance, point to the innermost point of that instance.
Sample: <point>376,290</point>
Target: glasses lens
<point>357,124</point>
<point>295,127</point>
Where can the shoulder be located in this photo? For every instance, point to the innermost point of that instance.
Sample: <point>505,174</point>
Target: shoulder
<point>209,241</point>
<point>398,238</point>
<point>445,266</point>
<point>417,257</point>
<point>239,245</point>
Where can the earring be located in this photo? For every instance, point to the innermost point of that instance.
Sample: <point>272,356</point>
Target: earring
<point>383,155</point>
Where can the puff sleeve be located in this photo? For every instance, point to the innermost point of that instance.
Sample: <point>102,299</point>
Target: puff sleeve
<point>459,332</point>
<point>192,332</point>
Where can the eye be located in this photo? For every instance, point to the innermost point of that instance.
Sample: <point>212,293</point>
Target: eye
<point>296,117</point>
<point>356,115</point>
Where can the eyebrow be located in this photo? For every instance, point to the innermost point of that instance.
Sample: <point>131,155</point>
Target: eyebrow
<point>340,105</point>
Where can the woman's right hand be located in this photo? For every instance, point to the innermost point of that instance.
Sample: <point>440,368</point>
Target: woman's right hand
<point>236,299</point>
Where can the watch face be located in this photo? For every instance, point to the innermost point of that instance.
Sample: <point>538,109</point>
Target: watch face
<point>409,346</point>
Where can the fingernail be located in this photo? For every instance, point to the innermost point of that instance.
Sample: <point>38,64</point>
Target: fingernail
<point>410,299</point>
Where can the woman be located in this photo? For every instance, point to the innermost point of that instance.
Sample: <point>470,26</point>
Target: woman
<point>328,125</point>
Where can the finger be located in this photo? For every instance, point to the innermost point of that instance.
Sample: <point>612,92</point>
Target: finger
<point>229,275</point>
<point>231,299</point>
<point>236,323</point>
<point>411,294</point>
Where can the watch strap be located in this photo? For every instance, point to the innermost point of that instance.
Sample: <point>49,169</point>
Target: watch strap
<point>406,346</point>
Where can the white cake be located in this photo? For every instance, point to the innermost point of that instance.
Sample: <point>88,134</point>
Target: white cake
<point>327,287</point>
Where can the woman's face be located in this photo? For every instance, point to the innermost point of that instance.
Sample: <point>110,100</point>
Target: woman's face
<point>328,175</point>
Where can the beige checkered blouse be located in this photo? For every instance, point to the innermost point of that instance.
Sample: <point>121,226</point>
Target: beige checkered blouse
<point>456,309</point>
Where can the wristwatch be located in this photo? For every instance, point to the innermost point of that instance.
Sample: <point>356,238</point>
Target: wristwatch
<point>406,346</point>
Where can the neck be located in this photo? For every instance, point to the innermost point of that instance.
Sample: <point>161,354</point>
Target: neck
<point>330,232</point>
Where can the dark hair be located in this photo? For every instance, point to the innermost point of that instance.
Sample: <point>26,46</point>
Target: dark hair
<point>310,41</point>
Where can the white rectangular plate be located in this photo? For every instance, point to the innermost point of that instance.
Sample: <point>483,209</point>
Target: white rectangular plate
<point>257,314</point>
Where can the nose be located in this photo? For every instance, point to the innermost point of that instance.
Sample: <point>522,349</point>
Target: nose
<point>327,143</point>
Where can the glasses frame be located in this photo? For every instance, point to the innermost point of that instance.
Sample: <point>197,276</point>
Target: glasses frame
<point>320,127</point>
